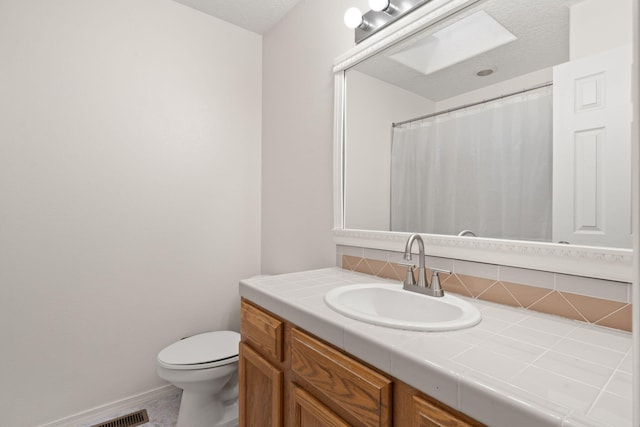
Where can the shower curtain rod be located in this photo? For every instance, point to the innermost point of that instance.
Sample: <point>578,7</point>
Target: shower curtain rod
<point>462,107</point>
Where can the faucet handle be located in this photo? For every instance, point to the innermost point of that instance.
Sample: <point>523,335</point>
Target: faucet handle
<point>436,288</point>
<point>410,278</point>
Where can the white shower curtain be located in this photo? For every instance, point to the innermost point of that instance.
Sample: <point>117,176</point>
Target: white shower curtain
<point>486,168</point>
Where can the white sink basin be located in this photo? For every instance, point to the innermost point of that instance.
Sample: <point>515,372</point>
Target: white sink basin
<point>393,307</point>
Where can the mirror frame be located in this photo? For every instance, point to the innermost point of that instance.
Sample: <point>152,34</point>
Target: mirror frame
<point>590,261</point>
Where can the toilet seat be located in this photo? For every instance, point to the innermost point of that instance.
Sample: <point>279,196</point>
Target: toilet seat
<point>201,351</point>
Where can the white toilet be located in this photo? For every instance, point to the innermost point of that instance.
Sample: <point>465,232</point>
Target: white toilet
<point>205,367</point>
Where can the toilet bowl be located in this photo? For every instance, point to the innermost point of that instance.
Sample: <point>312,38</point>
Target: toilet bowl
<point>205,367</point>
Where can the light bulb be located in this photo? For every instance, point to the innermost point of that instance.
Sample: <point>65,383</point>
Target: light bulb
<point>353,17</point>
<point>379,5</point>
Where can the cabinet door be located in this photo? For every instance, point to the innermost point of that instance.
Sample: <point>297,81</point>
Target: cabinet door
<point>309,412</point>
<point>425,414</point>
<point>261,389</point>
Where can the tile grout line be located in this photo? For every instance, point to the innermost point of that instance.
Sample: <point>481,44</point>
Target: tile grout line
<point>512,295</point>
<point>540,299</point>
<point>604,387</point>
<point>574,307</point>
<point>611,314</point>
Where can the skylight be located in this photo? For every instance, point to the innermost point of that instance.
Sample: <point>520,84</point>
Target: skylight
<point>464,39</point>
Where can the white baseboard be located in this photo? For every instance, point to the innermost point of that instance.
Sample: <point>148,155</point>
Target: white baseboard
<point>109,409</point>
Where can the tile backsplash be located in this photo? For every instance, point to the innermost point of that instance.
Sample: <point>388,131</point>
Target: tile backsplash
<point>600,302</point>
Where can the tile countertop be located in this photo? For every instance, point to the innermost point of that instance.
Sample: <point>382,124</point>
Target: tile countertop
<point>515,366</point>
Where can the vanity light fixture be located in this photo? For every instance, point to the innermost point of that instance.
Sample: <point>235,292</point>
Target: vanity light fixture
<point>382,13</point>
<point>383,6</point>
<point>353,19</point>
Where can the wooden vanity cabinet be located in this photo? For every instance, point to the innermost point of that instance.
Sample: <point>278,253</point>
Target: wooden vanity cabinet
<point>261,368</point>
<point>262,384</point>
<point>355,392</point>
<point>307,411</point>
<point>426,414</point>
<point>287,378</point>
<point>413,408</point>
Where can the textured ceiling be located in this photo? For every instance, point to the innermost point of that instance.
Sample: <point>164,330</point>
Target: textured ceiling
<point>253,15</point>
<point>542,29</point>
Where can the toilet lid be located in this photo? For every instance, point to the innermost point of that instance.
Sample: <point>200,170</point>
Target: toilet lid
<point>203,348</point>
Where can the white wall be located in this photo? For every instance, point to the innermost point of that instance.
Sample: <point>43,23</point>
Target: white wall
<point>515,84</point>
<point>589,31</point>
<point>635,225</point>
<point>129,191</point>
<point>372,106</point>
<point>297,138</point>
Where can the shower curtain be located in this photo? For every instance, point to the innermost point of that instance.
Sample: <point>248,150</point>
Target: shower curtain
<point>486,168</point>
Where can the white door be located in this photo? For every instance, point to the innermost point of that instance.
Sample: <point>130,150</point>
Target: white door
<point>592,150</point>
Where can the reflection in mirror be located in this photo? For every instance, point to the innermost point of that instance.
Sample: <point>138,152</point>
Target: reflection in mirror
<point>510,119</point>
<point>496,170</point>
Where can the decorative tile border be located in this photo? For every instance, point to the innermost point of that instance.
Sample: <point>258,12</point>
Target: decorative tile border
<point>598,311</point>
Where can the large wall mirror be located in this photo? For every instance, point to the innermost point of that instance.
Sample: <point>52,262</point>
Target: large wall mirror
<point>499,129</point>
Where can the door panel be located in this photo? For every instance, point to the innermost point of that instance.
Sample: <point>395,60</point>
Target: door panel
<point>592,150</point>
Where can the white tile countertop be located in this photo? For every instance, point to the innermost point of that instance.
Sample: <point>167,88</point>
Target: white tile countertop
<point>515,366</point>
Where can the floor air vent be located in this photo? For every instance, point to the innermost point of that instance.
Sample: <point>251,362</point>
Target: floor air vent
<point>130,420</point>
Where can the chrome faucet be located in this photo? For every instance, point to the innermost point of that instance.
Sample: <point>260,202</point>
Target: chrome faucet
<point>422,282</point>
<point>434,288</point>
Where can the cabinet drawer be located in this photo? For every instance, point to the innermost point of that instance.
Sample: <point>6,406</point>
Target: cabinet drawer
<point>349,385</point>
<point>308,411</point>
<point>426,414</point>
<point>262,331</point>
